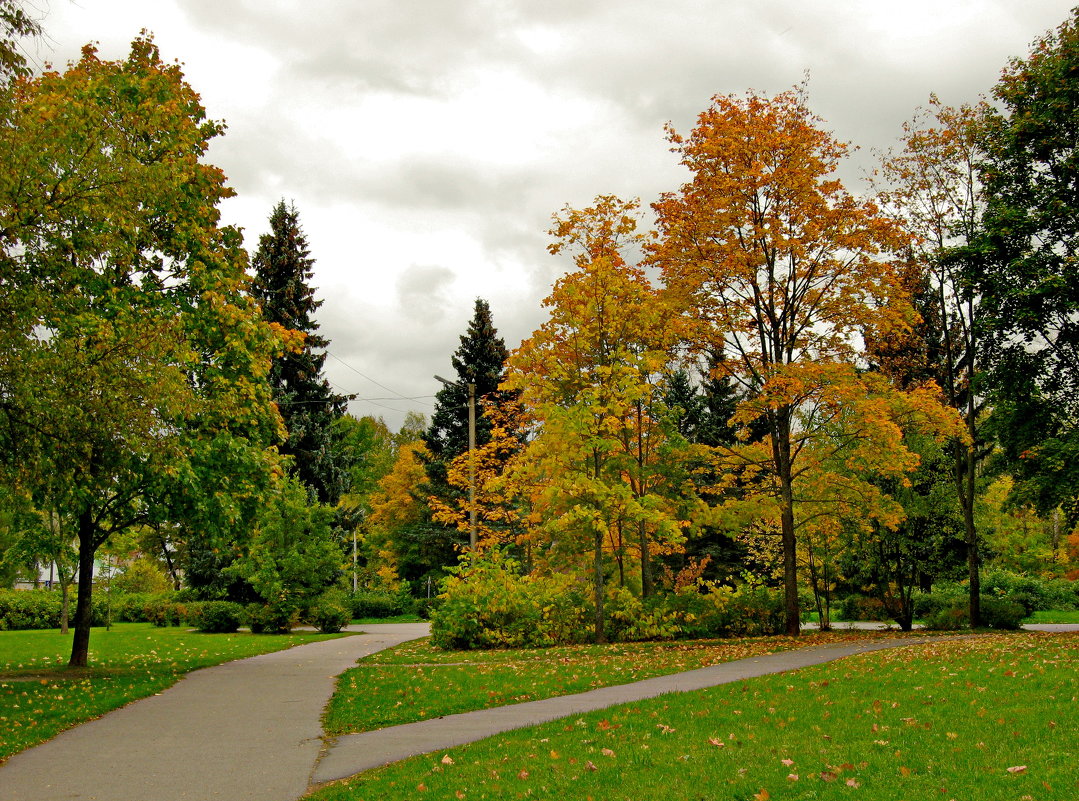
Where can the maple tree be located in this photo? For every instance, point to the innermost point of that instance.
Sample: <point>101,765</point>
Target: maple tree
<point>133,364</point>
<point>774,263</point>
<point>588,378</point>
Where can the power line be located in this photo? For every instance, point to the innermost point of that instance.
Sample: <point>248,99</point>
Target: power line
<point>396,395</point>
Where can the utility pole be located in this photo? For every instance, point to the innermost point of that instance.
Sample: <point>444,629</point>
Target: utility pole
<point>471,458</point>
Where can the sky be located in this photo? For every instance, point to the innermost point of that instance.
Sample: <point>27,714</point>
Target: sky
<point>426,143</point>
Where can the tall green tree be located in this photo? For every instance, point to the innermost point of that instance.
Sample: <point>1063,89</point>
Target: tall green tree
<point>481,360</point>
<point>283,270</point>
<point>132,363</point>
<point>1024,263</point>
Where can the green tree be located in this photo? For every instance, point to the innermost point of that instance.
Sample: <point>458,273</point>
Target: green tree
<point>283,270</point>
<point>132,366</point>
<point>1023,262</point>
<point>15,23</point>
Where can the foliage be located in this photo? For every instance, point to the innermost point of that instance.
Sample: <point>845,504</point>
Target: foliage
<point>997,613</point>
<point>291,557</point>
<point>769,260</point>
<point>141,576</point>
<point>309,408</point>
<point>488,603</point>
<point>132,363</point>
<point>132,661</point>
<point>214,617</point>
<point>330,612</point>
<point>378,604</point>
<point>276,617</point>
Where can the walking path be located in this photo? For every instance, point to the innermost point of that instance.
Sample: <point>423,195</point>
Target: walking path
<point>250,730</point>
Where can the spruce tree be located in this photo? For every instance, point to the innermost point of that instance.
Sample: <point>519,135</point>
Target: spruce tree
<point>480,360</point>
<point>283,270</point>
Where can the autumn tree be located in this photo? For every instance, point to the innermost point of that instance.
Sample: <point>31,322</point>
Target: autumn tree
<point>133,364</point>
<point>283,270</point>
<point>588,377</point>
<point>777,265</point>
<point>933,188</point>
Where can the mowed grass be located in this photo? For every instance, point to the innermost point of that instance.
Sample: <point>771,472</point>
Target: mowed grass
<point>40,696</point>
<point>993,718</point>
<point>416,681</point>
<point>1071,616</point>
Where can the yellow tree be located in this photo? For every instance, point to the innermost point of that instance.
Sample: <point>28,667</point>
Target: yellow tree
<point>588,378</point>
<point>775,264</point>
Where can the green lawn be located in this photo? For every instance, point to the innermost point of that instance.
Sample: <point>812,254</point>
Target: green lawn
<point>40,696</point>
<point>985,719</point>
<point>415,681</point>
<point>1053,617</point>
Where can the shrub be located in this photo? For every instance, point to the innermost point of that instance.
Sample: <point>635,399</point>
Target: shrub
<point>629,618</point>
<point>999,613</point>
<point>275,618</point>
<point>377,604</point>
<point>162,610</point>
<point>143,576</point>
<point>30,609</point>
<point>215,617</point>
<point>861,607</point>
<point>425,607</point>
<point>330,612</point>
<point>489,604</point>
<point>954,613</point>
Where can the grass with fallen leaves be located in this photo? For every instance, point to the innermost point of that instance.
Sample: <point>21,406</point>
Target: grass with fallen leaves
<point>987,718</point>
<point>416,681</point>
<point>40,696</point>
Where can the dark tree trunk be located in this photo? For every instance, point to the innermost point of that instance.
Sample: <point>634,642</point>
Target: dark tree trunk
<point>80,643</point>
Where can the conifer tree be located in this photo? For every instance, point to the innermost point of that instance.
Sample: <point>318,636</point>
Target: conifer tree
<point>308,406</point>
<point>480,360</point>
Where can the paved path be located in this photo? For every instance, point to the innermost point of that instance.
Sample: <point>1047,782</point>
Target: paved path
<point>250,730</point>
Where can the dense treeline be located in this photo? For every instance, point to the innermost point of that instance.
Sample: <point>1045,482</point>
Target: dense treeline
<point>764,394</point>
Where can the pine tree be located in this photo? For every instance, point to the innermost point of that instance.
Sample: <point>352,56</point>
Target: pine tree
<point>480,360</point>
<point>283,270</point>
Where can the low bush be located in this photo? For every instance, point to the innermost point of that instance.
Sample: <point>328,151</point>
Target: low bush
<point>162,610</point>
<point>30,609</point>
<point>861,607</point>
<point>330,612</point>
<point>215,617</point>
<point>378,604</point>
<point>952,614</point>
<point>489,604</point>
<point>277,618</point>
<point>628,618</point>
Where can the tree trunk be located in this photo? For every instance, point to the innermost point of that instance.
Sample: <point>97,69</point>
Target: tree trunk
<point>65,604</point>
<point>80,643</point>
<point>597,579</point>
<point>646,561</point>
<point>781,453</point>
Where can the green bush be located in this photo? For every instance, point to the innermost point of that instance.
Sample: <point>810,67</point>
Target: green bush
<point>489,604</point>
<point>861,607</point>
<point>425,607</point>
<point>629,618</point>
<point>30,609</point>
<point>330,612</point>
<point>215,617</point>
<point>952,614</point>
<point>378,604</point>
<point>276,618</point>
<point>162,610</point>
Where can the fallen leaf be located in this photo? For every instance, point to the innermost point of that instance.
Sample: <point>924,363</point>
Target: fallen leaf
<point>853,783</point>
<point>716,742</point>
<point>590,765</point>
<point>904,771</point>
<point>1018,769</point>
<point>607,752</point>
<point>828,776</point>
<point>459,794</point>
<point>787,762</point>
<point>763,795</point>
<point>522,775</point>
<point>421,787</point>
<point>792,777</point>
<point>447,760</point>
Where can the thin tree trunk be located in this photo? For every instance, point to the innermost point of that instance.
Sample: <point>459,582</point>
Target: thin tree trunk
<point>597,577</point>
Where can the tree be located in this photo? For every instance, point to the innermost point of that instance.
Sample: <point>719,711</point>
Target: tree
<point>775,264</point>
<point>133,366</point>
<point>588,378</point>
<point>936,194</point>
<point>1023,263</point>
<point>14,23</point>
<point>283,269</point>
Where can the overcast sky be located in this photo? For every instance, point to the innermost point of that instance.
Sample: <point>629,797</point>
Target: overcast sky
<point>426,143</point>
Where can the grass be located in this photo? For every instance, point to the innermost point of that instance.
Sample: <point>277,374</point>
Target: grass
<point>40,696</point>
<point>1053,617</point>
<point>416,681</point>
<point>986,718</point>
<point>392,619</point>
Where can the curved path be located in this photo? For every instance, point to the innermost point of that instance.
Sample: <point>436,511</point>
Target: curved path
<point>250,730</point>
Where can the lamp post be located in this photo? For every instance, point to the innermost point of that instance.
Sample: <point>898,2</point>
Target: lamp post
<point>471,458</point>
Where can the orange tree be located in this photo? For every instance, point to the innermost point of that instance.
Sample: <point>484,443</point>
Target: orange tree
<point>588,379</point>
<point>775,264</point>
